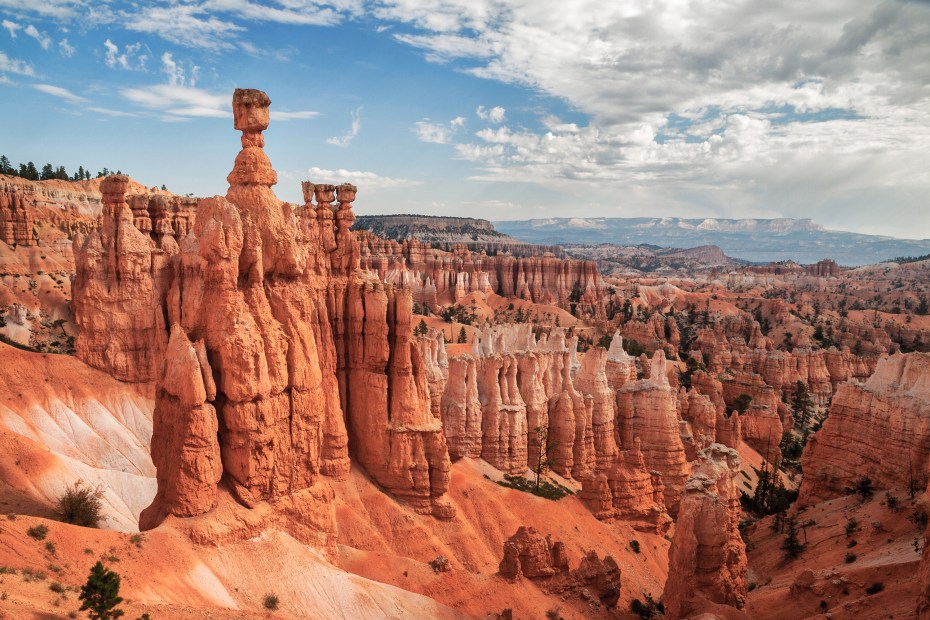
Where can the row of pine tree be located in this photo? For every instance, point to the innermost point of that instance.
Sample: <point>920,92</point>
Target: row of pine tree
<point>30,172</point>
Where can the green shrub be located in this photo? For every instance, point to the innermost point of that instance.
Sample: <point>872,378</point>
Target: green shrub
<point>850,558</point>
<point>80,505</point>
<point>634,545</point>
<point>38,532</point>
<point>875,588</point>
<point>272,602</point>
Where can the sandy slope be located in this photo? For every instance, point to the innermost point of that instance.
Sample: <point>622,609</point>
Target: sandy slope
<point>170,578</point>
<point>62,421</point>
<point>383,540</point>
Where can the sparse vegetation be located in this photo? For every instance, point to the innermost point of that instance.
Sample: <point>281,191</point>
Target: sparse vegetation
<point>647,608</point>
<point>863,487</point>
<point>439,564</point>
<point>792,544</point>
<point>542,487</point>
<point>634,545</point>
<point>850,557</point>
<point>271,602</point>
<point>80,505</point>
<point>875,588</point>
<point>38,532</point>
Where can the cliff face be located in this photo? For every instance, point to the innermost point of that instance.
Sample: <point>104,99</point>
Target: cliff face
<point>120,283</point>
<point>647,410</point>
<point>879,429</point>
<point>16,219</point>
<point>707,559</point>
<point>439,277</point>
<point>282,353</point>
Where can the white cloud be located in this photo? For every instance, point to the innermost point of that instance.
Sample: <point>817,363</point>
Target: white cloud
<point>186,25</point>
<point>109,111</point>
<point>346,139</point>
<point>177,75</point>
<point>13,65</point>
<point>362,179</point>
<point>278,115</point>
<point>294,12</point>
<point>174,103</point>
<point>721,107</point>
<point>132,57</point>
<point>437,133</point>
<point>61,93</point>
<point>497,114</point>
<point>11,27</point>
<point>59,9</point>
<point>66,49</point>
<point>7,81</point>
<point>43,39</point>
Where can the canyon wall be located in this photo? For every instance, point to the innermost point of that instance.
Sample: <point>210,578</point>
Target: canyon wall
<point>879,429</point>
<point>440,277</point>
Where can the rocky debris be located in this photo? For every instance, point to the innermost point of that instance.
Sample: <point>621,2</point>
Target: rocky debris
<point>879,429</point>
<point>530,554</point>
<point>527,554</point>
<point>707,559</point>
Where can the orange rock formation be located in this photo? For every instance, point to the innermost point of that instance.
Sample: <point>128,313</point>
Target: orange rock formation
<point>707,559</point>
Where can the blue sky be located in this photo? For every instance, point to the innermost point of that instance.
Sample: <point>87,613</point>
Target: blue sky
<point>502,110</point>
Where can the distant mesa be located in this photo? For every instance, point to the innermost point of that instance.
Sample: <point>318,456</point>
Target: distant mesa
<point>757,240</point>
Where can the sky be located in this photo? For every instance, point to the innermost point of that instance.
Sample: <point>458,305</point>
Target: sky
<point>496,109</point>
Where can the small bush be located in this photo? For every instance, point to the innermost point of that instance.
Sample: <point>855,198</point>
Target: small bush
<point>892,501</point>
<point>648,608</point>
<point>272,602</point>
<point>547,489</point>
<point>875,588</point>
<point>50,547</point>
<point>55,586</point>
<point>920,517</point>
<point>80,505</point>
<point>851,526</point>
<point>439,564</point>
<point>137,539</point>
<point>634,545</point>
<point>850,558</point>
<point>553,614</point>
<point>11,516</point>
<point>7,570</point>
<point>863,487</point>
<point>852,543</point>
<point>39,532</point>
<point>34,575</point>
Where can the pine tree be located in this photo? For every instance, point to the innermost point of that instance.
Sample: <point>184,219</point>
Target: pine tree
<point>463,337</point>
<point>802,405</point>
<point>100,595</point>
<point>47,172</point>
<point>792,544</point>
<point>5,166</point>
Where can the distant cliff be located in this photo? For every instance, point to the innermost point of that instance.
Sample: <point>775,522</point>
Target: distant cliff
<point>759,240</point>
<point>431,229</point>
